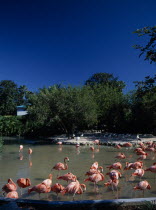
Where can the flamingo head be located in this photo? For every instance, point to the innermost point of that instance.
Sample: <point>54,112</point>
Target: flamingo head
<point>28,182</point>
<point>74,178</point>
<point>30,190</point>
<point>149,187</point>
<point>66,158</point>
<point>10,180</point>
<point>50,176</point>
<point>126,168</point>
<point>84,187</point>
<point>101,168</point>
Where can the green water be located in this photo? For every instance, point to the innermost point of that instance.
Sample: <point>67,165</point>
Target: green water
<point>44,157</point>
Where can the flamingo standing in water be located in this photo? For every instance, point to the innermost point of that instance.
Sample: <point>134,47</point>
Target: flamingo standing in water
<point>143,185</point>
<point>95,178</point>
<point>74,188</point>
<point>23,183</point>
<point>60,166</point>
<point>152,168</point>
<point>68,177</point>
<point>121,156</point>
<point>138,172</point>
<point>135,165</point>
<point>59,143</point>
<point>10,186</point>
<point>92,148</point>
<point>57,188</point>
<point>48,182</point>
<point>40,188</point>
<point>142,157</point>
<point>116,166</point>
<point>21,148</point>
<point>77,145</point>
<point>12,194</point>
<point>94,171</point>
<point>29,152</point>
<point>94,165</point>
<point>97,142</point>
<point>113,183</point>
<point>117,146</point>
<point>127,144</point>
<point>114,174</point>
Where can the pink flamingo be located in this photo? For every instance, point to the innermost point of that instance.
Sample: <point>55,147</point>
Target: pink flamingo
<point>152,168</point>
<point>40,188</point>
<point>23,183</point>
<point>77,145</point>
<point>92,148</point>
<point>74,188</point>
<point>120,156</point>
<point>21,148</point>
<point>127,144</point>
<point>59,143</point>
<point>114,174</point>
<point>60,166</point>
<point>48,182</point>
<point>95,178</point>
<point>10,186</point>
<point>116,166</point>
<point>117,146</point>
<point>143,185</point>
<point>113,183</point>
<point>68,177</point>
<point>94,171</point>
<point>138,172</point>
<point>94,165</point>
<point>142,157</point>
<point>135,165</point>
<point>57,188</point>
<point>12,194</point>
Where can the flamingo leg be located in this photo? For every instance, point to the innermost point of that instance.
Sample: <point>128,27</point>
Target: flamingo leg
<point>58,173</point>
<point>73,196</point>
<point>21,190</point>
<point>143,193</point>
<point>112,188</point>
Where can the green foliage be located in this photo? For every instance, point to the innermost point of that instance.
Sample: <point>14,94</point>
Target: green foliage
<point>111,108</point>
<point>143,106</point>
<point>10,125</point>
<point>99,104</point>
<point>150,48</point>
<point>105,79</point>
<point>63,109</point>
<point>10,97</point>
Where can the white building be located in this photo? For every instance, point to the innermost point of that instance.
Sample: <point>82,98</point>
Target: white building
<point>21,110</point>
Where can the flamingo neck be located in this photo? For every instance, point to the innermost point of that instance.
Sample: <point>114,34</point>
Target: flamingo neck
<point>65,163</point>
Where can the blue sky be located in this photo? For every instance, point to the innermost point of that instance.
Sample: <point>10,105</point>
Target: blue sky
<point>49,42</point>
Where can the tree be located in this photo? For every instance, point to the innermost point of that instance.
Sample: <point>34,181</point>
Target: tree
<point>150,48</point>
<point>10,97</point>
<point>111,108</point>
<point>143,106</point>
<point>105,79</point>
<point>62,109</point>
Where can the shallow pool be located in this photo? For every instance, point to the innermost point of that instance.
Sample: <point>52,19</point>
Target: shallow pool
<point>37,167</point>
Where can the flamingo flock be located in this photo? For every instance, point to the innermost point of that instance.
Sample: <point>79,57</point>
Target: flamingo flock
<point>107,176</point>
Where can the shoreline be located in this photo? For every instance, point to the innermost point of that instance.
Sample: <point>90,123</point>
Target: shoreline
<point>103,141</point>
<point>107,141</point>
